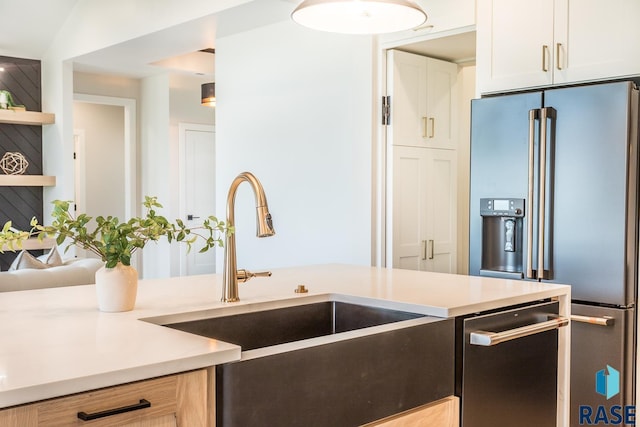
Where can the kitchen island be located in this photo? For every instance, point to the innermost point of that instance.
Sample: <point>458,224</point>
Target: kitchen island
<point>55,342</point>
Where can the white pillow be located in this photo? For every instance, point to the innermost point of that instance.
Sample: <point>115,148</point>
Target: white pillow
<point>52,259</point>
<point>26,260</point>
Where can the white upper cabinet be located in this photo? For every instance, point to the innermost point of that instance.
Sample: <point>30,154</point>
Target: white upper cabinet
<point>523,44</point>
<point>514,38</point>
<point>423,101</point>
<point>596,39</point>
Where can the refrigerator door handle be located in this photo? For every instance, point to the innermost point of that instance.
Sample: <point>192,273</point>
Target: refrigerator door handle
<point>592,320</point>
<point>545,114</point>
<point>533,116</point>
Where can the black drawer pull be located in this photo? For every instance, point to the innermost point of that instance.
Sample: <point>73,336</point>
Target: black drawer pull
<point>144,403</point>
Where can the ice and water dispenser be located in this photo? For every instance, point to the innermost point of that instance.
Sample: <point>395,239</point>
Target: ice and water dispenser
<point>502,242</point>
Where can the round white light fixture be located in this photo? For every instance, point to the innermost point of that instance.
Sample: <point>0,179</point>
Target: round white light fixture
<point>359,16</point>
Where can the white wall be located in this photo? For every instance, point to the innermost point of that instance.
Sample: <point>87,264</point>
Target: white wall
<point>167,100</point>
<point>466,84</point>
<point>106,85</point>
<point>295,108</point>
<point>94,25</point>
<point>184,107</point>
<point>103,127</point>
<point>298,112</point>
<point>173,98</point>
<point>119,87</point>
<point>156,164</point>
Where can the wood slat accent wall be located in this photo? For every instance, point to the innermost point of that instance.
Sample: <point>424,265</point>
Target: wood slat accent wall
<point>21,77</point>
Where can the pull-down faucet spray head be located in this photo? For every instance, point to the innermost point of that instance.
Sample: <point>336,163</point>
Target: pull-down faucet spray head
<point>263,221</point>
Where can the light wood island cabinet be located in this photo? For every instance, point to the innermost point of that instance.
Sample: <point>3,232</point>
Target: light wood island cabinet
<point>442,413</point>
<point>174,400</point>
<point>185,399</point>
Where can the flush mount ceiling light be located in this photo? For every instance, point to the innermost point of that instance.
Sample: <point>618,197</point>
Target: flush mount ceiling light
<point>359,16</point>
<point>208,91</point>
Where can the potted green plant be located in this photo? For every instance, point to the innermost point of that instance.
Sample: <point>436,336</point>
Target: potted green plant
<point>6,100</point>
<point>115,242</point>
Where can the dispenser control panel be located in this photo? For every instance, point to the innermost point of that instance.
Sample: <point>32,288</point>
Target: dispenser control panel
<point>502,207</point>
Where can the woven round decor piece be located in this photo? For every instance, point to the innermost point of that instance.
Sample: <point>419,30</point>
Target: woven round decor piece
<point>13,163</point>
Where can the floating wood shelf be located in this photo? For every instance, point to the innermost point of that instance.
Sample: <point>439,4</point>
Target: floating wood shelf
<point>26,117</point>
<point>27,181</point>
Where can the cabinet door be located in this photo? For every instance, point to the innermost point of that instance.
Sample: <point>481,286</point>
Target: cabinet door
<point>441,211</point>
<point>407,87</point>
<point>409,207</point>
<point>515,44</point>
<point>439,125</point>
<point>22,416</point>
<point>423,95</point>
<point>174,400</point>
<point>596,39</point>
<point>165,421</point>
<point>443,413</point>
<point>424,209</point>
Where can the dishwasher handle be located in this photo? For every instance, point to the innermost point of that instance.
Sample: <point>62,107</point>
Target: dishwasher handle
<point>487,339</point>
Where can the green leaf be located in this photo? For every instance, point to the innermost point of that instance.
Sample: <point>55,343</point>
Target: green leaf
<point>114,241</point>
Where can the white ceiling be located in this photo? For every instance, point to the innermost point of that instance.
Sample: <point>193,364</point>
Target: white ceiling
<point>175,49</point>
<point>459,48</point>
<point>29,26</point>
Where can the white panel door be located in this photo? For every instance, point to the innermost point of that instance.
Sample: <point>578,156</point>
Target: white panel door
<point>198,192</point>
<point>424,209</point>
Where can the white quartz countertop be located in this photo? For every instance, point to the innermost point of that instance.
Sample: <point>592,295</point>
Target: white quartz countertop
<point>55,342</point>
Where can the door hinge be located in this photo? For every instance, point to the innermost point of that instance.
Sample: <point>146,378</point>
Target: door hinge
<point>74,156</point>
<point>386,110</point>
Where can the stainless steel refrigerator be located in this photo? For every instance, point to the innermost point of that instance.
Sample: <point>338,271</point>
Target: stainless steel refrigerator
<point>554,182</point>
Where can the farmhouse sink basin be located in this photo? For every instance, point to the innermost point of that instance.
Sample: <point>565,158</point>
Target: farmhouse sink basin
<point>324,360</point>
<point>270,327</point>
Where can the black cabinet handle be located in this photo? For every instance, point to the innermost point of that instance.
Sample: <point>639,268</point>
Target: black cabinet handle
<point>144,403</point>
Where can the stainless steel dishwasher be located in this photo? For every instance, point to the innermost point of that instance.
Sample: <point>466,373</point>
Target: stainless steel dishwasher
<point>507,366</point>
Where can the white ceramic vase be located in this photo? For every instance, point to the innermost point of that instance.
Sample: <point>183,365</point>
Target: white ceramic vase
<point>117,288</point>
